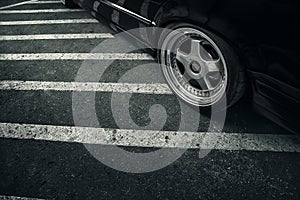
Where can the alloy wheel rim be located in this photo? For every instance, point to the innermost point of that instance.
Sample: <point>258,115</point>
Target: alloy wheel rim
<point>194,67</point>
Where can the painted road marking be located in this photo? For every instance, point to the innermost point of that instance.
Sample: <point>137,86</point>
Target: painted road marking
<point>35,22</point>
<point>44,2</point>
<point>56,36</point>
<point>17,198</point>
<point>16,4</point>
<point>39,11</point>
<point>77,56</point>
<point>150,138</point>
<point>155,88</point>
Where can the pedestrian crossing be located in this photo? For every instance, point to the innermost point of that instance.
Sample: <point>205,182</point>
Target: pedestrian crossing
<point>272,143</point>
<point>44,2</point>
<point>280,142</point>
<point>40,11</point>
<point>76,56</point>
<point>15,5</point>
<point>28,3</point>
<point>35,22</point>
<point>154,88</point>
<point>56,36</point>
<point>2,197</point>
<point>150,138</point>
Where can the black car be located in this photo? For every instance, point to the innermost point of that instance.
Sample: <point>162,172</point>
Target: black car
<point>221,47</point>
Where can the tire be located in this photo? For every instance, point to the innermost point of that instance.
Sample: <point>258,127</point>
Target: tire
<point>231,70</point>
<point>69,4</point>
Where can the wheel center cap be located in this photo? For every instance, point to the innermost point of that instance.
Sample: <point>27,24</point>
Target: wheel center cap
<point>195,67</point>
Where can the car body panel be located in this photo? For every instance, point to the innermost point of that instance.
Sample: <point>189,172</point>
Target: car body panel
<point>263,32</point>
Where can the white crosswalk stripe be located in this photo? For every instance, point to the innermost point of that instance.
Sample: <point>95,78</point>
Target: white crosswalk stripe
<point>35,22</point>
<point>77,56</point>
<point>2,197</point>
<point>44,2</point>
<point>39,11</point>
<point>15,5</point>
<point>56,36</point>
<point>155,88</point>
<point>150,138</point>
<point>30,2</point>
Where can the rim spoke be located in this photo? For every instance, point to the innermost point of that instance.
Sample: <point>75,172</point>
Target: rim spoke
<point>182,57</point>
<point>187,76</point>
<point>214,65</point>
<point>205,55</point>
<point>196,47</point>
<point>207,83</point>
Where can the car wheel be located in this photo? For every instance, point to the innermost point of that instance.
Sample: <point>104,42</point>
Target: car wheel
<point>200,67</point>
<point>69,3</point>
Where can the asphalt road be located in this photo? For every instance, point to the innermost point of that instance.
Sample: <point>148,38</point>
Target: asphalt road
<point>256,160</point>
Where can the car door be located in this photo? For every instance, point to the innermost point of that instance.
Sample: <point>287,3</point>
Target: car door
<point>129,14</point>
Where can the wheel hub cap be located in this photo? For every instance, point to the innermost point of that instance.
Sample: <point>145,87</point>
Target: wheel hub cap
<point>195,67</point>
